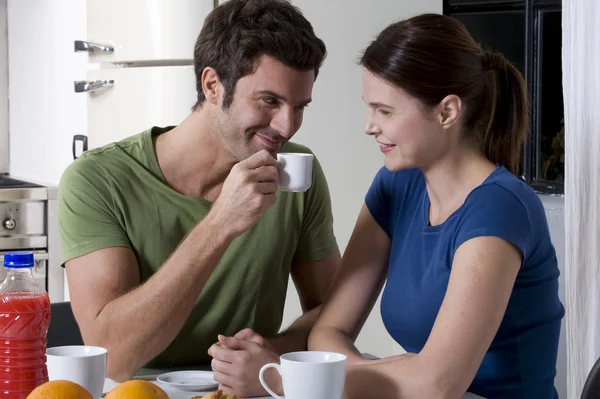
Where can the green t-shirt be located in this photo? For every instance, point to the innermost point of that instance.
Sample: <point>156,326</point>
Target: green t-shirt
<point>116,196</point>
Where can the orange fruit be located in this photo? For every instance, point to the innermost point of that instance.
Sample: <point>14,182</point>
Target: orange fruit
<point>137,389</point>
<point>60,389</point>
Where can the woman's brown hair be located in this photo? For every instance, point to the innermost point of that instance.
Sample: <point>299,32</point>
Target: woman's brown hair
<point>431,56</point>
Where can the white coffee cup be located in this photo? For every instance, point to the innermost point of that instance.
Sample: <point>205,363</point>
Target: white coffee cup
<point>314,375</point>
<point>295,171</point>
<point>81,364</point>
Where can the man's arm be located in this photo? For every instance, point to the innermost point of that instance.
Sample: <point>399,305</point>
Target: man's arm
<point>312,281</point>
<point>137,322</point>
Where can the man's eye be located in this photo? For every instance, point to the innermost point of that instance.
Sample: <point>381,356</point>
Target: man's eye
<point>270,100</point>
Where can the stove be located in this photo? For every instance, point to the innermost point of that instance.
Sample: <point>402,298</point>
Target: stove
<point>29,222</point>
<point>9,182</point>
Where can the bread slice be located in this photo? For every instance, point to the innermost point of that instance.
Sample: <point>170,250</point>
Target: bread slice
<point>218,395</point>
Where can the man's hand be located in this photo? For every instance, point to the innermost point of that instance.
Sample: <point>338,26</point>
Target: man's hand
<point>237,362</point>
<point>247,193</point>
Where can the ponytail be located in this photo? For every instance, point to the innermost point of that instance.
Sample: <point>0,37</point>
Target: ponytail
<point>508,111</point>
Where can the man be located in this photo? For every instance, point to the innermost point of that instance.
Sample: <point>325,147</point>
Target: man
<point>179,234</point>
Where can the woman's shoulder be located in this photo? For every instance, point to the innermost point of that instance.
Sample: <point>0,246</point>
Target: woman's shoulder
<point>505,206</point>
<point>504,188</point>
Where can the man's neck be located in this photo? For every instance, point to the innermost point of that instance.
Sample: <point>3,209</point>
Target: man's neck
<point>192,159</point>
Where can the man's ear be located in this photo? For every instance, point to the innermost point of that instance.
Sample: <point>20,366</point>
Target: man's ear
<point>211,85</point>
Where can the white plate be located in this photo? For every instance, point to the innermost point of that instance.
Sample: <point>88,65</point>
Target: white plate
<point>191,381</point>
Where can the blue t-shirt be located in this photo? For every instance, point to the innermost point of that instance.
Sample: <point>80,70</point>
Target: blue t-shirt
<point>521,361</point>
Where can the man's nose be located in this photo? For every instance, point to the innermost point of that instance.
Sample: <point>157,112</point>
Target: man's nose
<point>283,122</point>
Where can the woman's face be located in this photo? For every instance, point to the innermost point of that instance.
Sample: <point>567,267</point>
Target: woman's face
<point>409,136</point>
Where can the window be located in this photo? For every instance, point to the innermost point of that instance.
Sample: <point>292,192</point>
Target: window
<point>499,30</point>
<point>549,109</point>
<point>528,33</point>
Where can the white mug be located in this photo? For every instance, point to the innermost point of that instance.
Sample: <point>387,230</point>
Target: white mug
<point>295,171</point>
<point>314,375</point>
<point>81,364</point>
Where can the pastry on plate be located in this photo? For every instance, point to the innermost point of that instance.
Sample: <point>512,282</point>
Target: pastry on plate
<point>218,395</point>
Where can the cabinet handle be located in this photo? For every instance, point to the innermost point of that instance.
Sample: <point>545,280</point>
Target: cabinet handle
<point>89,47</point>
<point>84,86</point>
<point>84,147</point>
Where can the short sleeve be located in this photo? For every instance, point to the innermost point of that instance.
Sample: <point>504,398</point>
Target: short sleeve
<point>378,199</point>
<point>87,221</point>
<point>492,210</point>
<point>317,238</point>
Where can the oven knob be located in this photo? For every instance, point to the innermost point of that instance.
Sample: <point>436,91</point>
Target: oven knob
<point>9,224</point>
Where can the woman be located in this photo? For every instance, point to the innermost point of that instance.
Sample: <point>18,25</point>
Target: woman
<point>472,276</point>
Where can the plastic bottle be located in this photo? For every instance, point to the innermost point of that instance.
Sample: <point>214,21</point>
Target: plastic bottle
<point>24,321</point>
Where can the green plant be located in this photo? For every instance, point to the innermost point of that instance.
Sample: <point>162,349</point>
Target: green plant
<point>554,165</point>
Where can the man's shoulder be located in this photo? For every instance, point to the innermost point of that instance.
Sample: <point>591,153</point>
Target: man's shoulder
<point>118,148</point>
<point>114,154</point>
<point>96,166</point>
<point>85,167</point>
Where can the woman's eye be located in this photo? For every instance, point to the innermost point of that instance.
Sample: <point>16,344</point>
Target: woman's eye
<point>383,112</point>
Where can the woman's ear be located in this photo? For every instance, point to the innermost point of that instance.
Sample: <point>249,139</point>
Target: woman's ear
<point>450,109</point>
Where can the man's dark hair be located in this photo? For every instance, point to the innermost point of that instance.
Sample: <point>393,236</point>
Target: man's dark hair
<point>238,32</point>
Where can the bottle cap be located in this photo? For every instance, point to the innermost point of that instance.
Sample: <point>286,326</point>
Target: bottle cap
<point>18,260</point>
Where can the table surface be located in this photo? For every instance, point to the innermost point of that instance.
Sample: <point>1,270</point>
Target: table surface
<point>176,394</point>
<point>151,374</point>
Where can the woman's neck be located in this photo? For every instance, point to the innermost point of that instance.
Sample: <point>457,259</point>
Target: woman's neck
<point>451,179</point>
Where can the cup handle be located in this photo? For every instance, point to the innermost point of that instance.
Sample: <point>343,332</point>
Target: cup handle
<point>262,380</point>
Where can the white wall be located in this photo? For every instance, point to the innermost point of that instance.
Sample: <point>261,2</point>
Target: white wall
<point>45,112</point>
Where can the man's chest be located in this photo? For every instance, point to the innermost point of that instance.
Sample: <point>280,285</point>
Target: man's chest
<point>157,228</point>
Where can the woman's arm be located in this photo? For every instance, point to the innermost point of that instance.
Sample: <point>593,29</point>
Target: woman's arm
<point>483,274</point>
<point>354,290</point>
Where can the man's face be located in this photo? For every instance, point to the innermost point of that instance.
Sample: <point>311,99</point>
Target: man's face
<point>267,109</point>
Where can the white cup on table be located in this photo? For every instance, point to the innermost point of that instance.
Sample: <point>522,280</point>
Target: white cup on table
<point>81,364</point>
<point>314,375</point>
